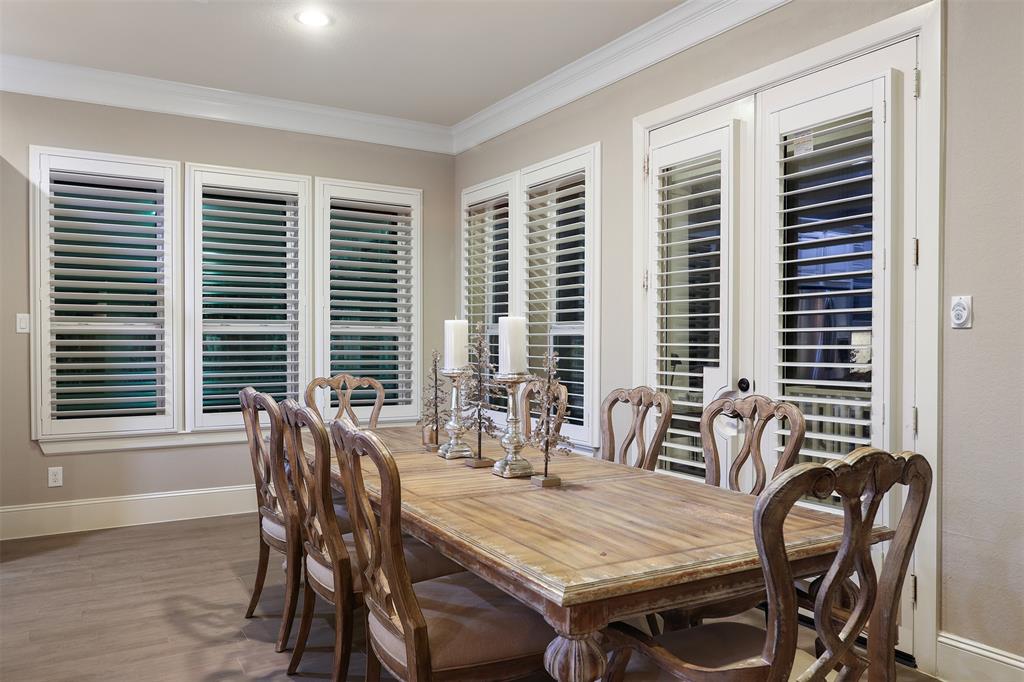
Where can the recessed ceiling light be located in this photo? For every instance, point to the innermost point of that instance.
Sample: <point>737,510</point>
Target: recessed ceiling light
<point>313,17</point>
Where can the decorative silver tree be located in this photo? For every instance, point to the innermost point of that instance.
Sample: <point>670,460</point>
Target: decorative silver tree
<point>479,393</point>
<point>434,411</point>
<point>546,436</point>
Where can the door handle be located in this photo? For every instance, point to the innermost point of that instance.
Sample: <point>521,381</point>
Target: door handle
<point>743,384</point>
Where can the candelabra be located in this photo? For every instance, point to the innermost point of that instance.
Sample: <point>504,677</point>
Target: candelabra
<point>512,465</point>
<point>455,448</point>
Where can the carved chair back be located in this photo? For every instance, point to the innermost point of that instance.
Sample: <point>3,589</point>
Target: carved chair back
<point>861,481</point>
<point>561,401</point>
<point>387,585</point>
<point>273,498</point>
<point>641,399</point>
<point>321,533</point>
<point>755,411</point>
<point>342,386</point>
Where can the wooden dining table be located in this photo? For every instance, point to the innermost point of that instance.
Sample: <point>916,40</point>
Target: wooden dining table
<point>611,542</point>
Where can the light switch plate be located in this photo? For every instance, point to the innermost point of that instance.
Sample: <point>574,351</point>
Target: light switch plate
<point>961,312</point>
<point>22,323</point>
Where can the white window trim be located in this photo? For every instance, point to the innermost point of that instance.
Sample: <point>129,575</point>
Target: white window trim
<point>325,188</point>
<point>194,177</point>
<point>38,210</point>
<point>587,159</point>
<point>926,22</point>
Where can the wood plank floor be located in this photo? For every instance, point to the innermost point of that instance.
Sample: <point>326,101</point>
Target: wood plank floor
<point>156,602</point>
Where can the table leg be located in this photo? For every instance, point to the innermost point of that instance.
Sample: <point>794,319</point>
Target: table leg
<point>575,658</point>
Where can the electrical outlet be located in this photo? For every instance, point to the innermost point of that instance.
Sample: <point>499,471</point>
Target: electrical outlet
<point>55,477</point>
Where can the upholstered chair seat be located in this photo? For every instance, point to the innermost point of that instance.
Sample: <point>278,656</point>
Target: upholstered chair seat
<point>463,608</point>
<point>274,528</point>
<point>424,563</point>
<point>715,645</point>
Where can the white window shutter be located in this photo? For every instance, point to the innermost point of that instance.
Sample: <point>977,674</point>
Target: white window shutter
<point>247,272</point>
<point>692,223</point>
<point>829,260</point>
<point>559,262</point>
<point>486,248</point>
<point>104,231</point>
<point>370,259</point>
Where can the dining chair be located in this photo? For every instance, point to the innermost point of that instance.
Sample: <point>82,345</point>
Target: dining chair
<point>343,386</point>
<point>641,399</point>
<point>756,412</point>
<point>458,627</point>
<point>279,524</point>
<point>526,397</point>
<point>729,650</point>
<point>329,551</point>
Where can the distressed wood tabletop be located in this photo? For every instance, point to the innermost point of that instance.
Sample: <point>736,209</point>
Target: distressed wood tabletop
<point>611,542</point>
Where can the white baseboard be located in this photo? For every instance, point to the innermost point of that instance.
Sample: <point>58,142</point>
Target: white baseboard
<point>51,518</point>
<point>964,660</point>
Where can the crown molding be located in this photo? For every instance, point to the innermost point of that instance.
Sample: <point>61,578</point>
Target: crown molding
<point>676,30</point>
<point>666,35</point>
<point>82,84</point>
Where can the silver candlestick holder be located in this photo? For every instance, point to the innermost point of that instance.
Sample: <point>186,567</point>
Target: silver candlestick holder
<point>455,448</point>
<point>512,465</point>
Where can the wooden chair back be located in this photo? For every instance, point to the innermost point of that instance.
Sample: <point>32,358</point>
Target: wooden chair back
<point>641,399</point>
<point>534,388</point>
<point>267,454</point>
<point>343,386</point>
<point>861,481</point>
<point>387,585</point>
<point>311,481</point>
<point>755,411</point>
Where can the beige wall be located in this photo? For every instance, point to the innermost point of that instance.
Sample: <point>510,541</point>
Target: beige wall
<point>982,472</point>
<point>28,120</point>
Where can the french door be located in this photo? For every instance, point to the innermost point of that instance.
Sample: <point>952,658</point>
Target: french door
<point>778,237</point>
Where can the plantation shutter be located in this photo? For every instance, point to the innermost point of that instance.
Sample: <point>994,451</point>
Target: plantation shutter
<point>249,230</point>
<point>107,226</point>
<point>691,228</point>
<point>485,266</point>
<point>373,302</point>
<point>829,264</point>
<point>555,254</point>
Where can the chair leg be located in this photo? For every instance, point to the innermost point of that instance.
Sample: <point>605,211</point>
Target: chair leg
<point>308,606</point>
<point>342,635</point>
<point>291,596</point>
<point>261,575</point>
<point>652,625</point>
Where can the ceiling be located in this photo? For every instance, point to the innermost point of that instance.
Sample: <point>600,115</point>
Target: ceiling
<point>437,61</point>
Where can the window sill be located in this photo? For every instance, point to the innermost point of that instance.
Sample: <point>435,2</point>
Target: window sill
<point>156,441</point>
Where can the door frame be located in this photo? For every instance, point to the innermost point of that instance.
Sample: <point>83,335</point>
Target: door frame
<point>926,23</point>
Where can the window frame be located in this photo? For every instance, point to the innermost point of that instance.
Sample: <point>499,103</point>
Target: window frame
<point>43,427</point>
<point>587,159</point>
<point>326,189</point>
<point>195,176</point>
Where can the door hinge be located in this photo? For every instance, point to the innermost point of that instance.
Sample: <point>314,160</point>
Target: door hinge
<point>913,590</point>
<point>885,110</point>
<point>647,165</point>
<point>913,418</point>
<point>917,251</point>
<point>917,82</point>
<point>645,282</point>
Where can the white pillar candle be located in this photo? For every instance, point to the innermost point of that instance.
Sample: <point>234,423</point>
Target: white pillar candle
<point>512,345</point>
<point>456,344</point>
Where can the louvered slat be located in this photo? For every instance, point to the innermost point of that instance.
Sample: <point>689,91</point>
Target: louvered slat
<point>555,269</point>
<point>687,289</point>
<point>249,294</point>
<point>107,289</point>
<point>371,295</point>
<point>825,298</point>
